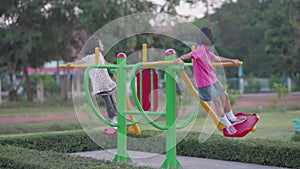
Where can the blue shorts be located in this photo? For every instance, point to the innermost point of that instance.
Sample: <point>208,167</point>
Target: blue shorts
<point>211,92</point>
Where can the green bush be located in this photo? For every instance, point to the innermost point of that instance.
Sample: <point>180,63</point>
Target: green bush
<point>252,85</point>
<point>275,78</point>
<point>233,95</point>
<point>63,142</point>
<point>50,86</point>
<point>296,79</point>
<point>296,138</point>
<point>281,90</point>
<point>265,152</point>
<point>18,158</point>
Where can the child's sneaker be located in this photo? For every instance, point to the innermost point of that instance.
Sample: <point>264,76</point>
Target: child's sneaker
<point>114,121</point>
<point>231,130</point>
<point>238,120</point>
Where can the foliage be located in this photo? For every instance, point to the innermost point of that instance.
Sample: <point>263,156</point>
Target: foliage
<point>39,127</point>
<point>233,94</point>
<point>252,85</point>
<point>264,34</point>
<point>265,152</point>
<point>296,137</point>
<point>296,79</point>
<point>281,90</point>
<point>16,157</point>
<point>63,142</point>
<point>275,78</point>
<point>33,32</point>
<point>51,87</point>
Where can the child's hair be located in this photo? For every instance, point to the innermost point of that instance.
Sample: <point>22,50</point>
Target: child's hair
<point>206,37</point>
<point>90,45</point>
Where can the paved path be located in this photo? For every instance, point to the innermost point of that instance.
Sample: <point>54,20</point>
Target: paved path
<point>156,160</point>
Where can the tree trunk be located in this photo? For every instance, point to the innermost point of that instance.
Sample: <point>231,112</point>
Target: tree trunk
<point>0,93</point>
<point>12,90</point>
<point>64,86</point>
<point>40,90</point>
<point>207,13</point>
<point>28,84</point>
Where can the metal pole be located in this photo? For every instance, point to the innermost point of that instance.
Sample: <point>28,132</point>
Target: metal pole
<point>122,155</point>
<point>171,161</point>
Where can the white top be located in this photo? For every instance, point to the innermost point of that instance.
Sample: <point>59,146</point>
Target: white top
<point>101,81</point>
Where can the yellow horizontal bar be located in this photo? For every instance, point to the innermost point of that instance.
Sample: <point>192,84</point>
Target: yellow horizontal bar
<point>159,63</point>
<point>73,66</point>
<point>227,64</point>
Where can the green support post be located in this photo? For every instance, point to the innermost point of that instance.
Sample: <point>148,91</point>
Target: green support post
<point>121,155</point>
<point>171,161</point>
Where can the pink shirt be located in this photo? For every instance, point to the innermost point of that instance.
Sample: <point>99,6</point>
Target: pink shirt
<point>204,74</point>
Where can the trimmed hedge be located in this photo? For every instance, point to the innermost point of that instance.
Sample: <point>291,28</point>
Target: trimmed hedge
<point>265,152</point>
<point>22,158</point>
<point>63,142</point>
<point>296,138</point>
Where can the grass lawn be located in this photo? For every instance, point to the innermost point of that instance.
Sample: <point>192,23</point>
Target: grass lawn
<point>15,109</point>
<point>11,109</point>
<point>274,125</point>
<point>12,112</point>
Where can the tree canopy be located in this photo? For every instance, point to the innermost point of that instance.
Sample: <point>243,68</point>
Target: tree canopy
<point>265,34</point>
<point>262,33</point>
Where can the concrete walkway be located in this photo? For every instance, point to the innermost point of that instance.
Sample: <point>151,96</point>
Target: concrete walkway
<point>156,160</point>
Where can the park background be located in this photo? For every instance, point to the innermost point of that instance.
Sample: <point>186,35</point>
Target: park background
<point>37,36</point>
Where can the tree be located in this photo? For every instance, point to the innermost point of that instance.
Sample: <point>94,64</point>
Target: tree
<point>31,32</point>
<point>19,38</point>
<point>281,38</point>
<point>264,34</point>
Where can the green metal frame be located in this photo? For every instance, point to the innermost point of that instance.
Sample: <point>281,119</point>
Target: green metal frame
<point>170,126</point>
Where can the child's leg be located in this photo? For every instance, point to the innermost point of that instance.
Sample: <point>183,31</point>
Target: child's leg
<point>219,107</point>
<point>115,118</point>
<point>112,98</point>
<point>227,106</point>
<point>217,104</point>
<point>229,113</point>
<point>111,112</point>
<point>226,101</point>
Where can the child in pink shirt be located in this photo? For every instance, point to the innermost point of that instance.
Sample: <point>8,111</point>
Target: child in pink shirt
<point>209,88</point>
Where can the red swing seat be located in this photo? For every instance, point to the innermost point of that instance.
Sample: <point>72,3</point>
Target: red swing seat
<point>245,127</point>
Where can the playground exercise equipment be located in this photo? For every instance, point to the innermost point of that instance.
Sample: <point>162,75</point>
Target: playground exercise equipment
<point>147,85</point>
<point>171,122</point>
<point>132,129</point>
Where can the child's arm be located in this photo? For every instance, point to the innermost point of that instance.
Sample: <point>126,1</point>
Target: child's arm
<point>222,59</point>
<point>183,57</point>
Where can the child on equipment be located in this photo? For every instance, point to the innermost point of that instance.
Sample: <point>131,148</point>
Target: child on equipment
<point>209,88</point>
<point>101,82</point>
